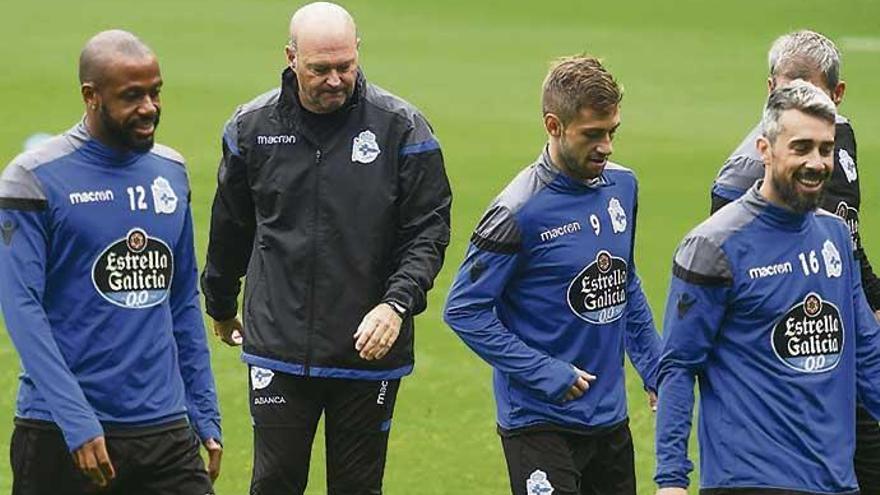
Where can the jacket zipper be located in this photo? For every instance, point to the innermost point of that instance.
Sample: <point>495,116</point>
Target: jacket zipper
<point>314,257</point>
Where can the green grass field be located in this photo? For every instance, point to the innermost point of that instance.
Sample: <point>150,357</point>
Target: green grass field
<point>694,76</point>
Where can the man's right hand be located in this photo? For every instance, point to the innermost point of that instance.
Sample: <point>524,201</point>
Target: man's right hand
<point>580,386</point>
<point>229,331</point>
<point>672,491</point>
<point>94,461</point>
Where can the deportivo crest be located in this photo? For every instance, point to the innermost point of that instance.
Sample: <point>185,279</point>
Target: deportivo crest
<point>809,337</point>
<point>261,377</point>
<point>833,265</point>
<point>618,216</point>
<point>538,484</point>
<point>364,148</point>
<point>848,165</point>
<point>164,198</point>
<point>135,271</point>
<point>598,293</point>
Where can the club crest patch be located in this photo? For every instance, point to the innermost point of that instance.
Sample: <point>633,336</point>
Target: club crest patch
<point>810,337</point>
<point>164,198</point>
<point>618,216</point>
<point>833,265</point>
<point>135,271</point>
<point>364,148</point>
<point>261,377</point>
<point>598,293</point>
<point>848,165</point>
<point>538,484</point>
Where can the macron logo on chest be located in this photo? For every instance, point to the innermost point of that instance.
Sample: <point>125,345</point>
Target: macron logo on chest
<point>276,140</point>
<point>77,198</point>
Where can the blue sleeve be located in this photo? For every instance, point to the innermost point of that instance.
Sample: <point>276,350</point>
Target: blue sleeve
<point>23,252</point>
<point>641,339</point>
<point>470,311</point>
<point>189,333</point>
<point>694,313</point>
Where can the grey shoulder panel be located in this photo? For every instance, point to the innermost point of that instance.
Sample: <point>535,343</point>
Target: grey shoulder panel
<point>169,154</point>
<point>49,150</point>
<point>19,187</point>
<point>264,100</point>
<point>525,186</point>
<point>700,258</point>
<point>498,231</point>
<point>616,167</point>
<point>230,129</point>
<point>744,166</point>
<point>386,101</point>
<point>700,261</point>
<point>825,215</point>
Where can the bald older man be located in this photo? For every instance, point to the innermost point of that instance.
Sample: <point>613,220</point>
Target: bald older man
<point>333,200</point>
<point>98,287</point>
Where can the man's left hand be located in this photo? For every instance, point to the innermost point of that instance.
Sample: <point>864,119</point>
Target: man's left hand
<point>877,314</point>
<point>215,453</point>
<point>377,332</point>
<point>652,400</point>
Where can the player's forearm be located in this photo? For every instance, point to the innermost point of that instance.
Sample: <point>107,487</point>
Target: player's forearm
<point>548,377</point>
<point>195,367</point>
<point>42,361</point>
<point>642,340</point>
<point>198,379</point>
<point>674,411</point>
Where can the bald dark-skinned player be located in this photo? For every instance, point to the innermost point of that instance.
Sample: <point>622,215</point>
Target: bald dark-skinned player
<point>98,287</point>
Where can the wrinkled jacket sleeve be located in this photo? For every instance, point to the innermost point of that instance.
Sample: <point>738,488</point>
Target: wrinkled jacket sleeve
<point>695,309</point>
<point>491,261</point>
<point>423,228</point>
<point>232,229</point>
<point>641,339</point>
<point>25,219</point>
<point>189,333</point>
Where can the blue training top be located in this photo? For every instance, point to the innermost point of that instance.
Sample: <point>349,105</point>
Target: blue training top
<point>766,311</point>
<point>98,286</point>
<point>548,282</point>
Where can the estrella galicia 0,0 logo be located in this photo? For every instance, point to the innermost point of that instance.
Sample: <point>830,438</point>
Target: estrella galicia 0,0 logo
<point>598,293</point>
<point>809,337</point>
<point>135,271</point>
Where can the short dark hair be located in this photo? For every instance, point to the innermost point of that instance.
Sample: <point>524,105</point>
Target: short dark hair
<point>101,49</point>
<point>579,82</point>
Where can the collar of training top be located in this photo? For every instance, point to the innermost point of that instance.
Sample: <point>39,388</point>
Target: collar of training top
<point>554,176</point>
<point>775,215</point>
